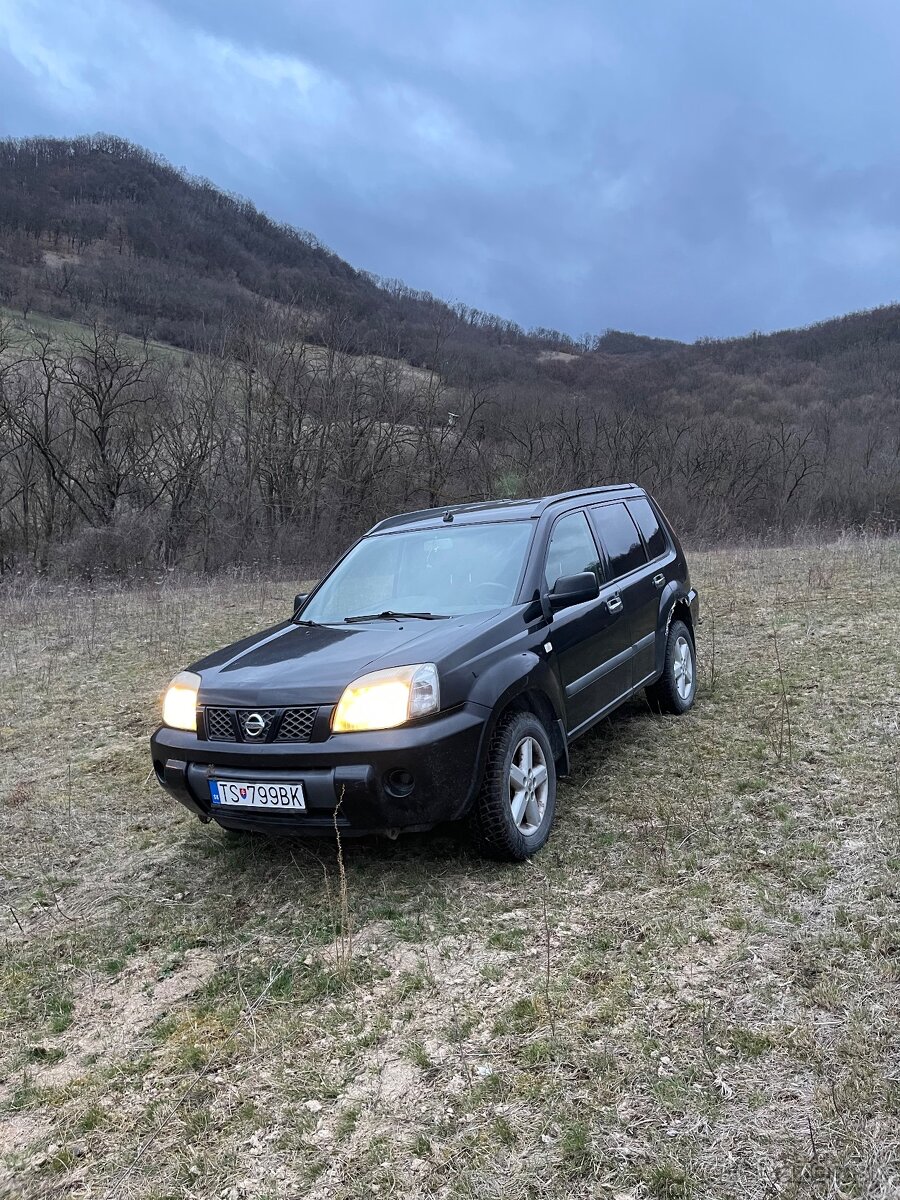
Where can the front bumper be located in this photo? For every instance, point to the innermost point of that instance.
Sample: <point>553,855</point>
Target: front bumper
<point>345,777</point>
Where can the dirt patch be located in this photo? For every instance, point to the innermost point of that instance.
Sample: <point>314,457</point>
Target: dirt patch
<point>110,1017</point>
<point>18,1131</point>
<point>53,258</point>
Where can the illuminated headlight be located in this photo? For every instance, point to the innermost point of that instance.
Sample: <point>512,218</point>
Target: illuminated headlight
<point>385,699</point>
<point>180,702</point>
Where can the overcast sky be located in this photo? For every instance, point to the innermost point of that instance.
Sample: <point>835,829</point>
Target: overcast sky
<point>678,169</point>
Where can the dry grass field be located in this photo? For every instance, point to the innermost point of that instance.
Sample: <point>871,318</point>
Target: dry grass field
<point>693,992</point>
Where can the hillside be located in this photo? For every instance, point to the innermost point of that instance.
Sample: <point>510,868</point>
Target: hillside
<point>99,225</point>
<point>185,382</point>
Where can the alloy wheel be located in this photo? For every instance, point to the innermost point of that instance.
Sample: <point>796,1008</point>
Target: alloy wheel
<point>683,668</point>
<point>528,785</point>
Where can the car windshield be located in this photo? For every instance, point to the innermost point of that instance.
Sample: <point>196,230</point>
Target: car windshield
<point>445,572</point>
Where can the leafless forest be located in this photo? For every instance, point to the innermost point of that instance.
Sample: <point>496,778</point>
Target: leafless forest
<point>184,384</point>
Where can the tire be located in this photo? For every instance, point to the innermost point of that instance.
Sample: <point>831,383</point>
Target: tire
<point>519,743</point>
<point>670,693</point>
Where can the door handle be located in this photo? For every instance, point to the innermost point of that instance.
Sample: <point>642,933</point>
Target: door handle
<point>659,579</point>
<point>614,604</point>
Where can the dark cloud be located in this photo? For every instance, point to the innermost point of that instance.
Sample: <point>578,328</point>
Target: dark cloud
<point>679,170</point>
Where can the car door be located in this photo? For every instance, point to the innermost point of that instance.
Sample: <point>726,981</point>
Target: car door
<point>653,579</point>
<point>591,640</point>
<point>628,566</point>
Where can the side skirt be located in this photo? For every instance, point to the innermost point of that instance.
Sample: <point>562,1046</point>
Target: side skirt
<point>607,709</point>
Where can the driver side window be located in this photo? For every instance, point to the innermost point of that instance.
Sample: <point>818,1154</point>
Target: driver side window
<point>571,549</point>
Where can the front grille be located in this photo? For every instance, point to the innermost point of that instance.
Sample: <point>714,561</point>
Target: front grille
<point>296,725</point>
<point>259,733</point>
<point>219,725</point>
<point>288,725</point>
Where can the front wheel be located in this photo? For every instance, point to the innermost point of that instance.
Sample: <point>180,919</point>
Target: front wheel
<point>517,801</point>
<point>676,688</point>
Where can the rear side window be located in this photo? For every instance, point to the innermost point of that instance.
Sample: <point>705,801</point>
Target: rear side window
<point>649,526</point>
<point>620,537</point>
<point>571,549</point>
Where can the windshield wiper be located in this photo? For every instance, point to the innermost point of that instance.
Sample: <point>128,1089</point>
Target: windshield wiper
<point>390,615</point>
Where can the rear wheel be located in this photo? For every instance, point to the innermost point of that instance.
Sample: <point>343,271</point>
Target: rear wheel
<point>676,688</point>
<point>517,801</point>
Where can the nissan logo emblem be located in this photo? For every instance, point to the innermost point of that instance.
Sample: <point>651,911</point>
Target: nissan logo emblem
<point>254,725</point>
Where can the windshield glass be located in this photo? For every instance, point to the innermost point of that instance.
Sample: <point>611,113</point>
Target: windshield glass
<point>461,569</point>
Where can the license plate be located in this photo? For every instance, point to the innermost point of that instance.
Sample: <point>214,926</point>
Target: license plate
<point>234,794</point>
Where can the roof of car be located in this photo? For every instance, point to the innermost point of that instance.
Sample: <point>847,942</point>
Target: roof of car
<point>499,510</point>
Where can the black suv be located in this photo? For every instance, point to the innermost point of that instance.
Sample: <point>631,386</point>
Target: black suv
<point>442,668</point>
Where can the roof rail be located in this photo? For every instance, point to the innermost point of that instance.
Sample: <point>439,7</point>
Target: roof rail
<point>540,504</point>
<point>440,511</point>
<point>594,491</point>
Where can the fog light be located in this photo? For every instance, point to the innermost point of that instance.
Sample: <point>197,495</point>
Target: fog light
<point>399,783</point>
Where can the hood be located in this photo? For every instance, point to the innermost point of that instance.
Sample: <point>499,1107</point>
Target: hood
<point>305,665</point>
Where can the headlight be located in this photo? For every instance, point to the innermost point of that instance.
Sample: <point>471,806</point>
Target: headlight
<point>180,702</point>
<point>384,699</point>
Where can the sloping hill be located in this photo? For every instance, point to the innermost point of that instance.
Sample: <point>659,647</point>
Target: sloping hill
<point>304,398</point>
<point>97,225</point>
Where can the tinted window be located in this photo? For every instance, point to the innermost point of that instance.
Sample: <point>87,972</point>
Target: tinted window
<point>571,549</point>
<point>624,547</point>
<point>649,527</point>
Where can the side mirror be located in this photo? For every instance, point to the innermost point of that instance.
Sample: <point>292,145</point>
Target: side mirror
<point>574,589</point>
<point>299,599</point>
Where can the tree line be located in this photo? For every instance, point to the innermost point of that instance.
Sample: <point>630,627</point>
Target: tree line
<point>267,448</point>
